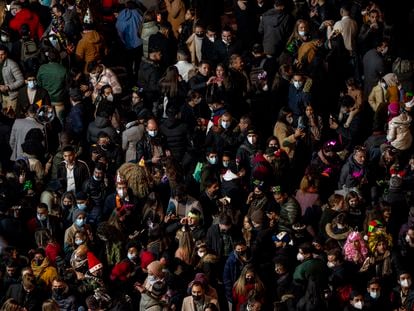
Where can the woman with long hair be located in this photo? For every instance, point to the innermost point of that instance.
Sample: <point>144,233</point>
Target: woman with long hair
<point>185,247</point>
<point>173,89</point>
<point>153,212</point>
<point>247,284</point>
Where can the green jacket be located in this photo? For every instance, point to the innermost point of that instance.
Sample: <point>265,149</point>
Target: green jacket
<point>54,78</point>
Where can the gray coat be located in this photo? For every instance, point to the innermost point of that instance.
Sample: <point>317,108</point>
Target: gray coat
<point>12,76</point>
<point>276,27</point>
<point>18,134</point>
<point>130,136</point>
<point>374,68</point>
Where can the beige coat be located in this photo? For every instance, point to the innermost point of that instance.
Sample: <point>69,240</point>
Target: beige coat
<point>376,97</point>
<point>188,303</point>
<point>286,137</point>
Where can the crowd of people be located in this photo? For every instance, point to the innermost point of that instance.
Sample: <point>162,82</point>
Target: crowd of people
<point>206,155</point>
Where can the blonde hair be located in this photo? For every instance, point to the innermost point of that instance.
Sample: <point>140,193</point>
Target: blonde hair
<point>50,305</point>
<point>10,304</point>
<point>185,247</point>
<point>240,284</point>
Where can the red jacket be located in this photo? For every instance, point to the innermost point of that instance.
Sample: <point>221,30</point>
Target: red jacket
<point>25,16</point>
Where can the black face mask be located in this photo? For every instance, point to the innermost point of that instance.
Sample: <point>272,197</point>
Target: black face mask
<point>243,253</point>
<point>197,298</point>
<point>67,206</point>
<point>58,293</point>
<point>250,280</point>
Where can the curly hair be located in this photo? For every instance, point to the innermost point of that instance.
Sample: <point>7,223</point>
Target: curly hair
<point>137,177</point>
<point>351,253</point>
<point>376,237</point>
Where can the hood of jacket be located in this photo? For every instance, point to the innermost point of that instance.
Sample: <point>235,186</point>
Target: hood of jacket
<point>92,36</point>
<point>101,122</point>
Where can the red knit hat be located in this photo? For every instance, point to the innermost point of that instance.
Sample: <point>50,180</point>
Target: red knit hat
<point>93,263</point>
<point>146,258</point>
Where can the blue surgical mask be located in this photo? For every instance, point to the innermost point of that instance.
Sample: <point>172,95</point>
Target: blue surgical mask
<point>225,124</point>
<point>81,206</point>
<point>31,84</point>
<point>302,33</point>
<point>212,160</point>
<point>80,222</point>
<point>152,133</point>
<point>132,256</point>
<point>79,242</point>
<point>41,217</point>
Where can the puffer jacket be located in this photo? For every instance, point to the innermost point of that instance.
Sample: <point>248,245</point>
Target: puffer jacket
<point>25,16</point>
<point>90,47</point>
<point>290,213</point>
<point>176,133</point>
<point>148,76</point>
<point>399,134</point>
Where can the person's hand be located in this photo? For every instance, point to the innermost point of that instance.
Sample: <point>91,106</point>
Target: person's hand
<point>373,26</point>
<point>3,88</point>
<point>22,178</point>
<point>242,5</point>
<point>184,221</point>
<point>211,80</point>
<point>139,287</point>
<point>168,153</point>
<point>250,198</point>
<point>155,160</point>
<point>84,87</point>
<point>88,93</point>
<point>333,125</point>
<point>298,133</point>
<point>215,129</point>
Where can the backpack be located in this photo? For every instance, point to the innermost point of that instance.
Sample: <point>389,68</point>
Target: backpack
<point>29,55</point>
<point>257,73</point>
<point>29,49</point>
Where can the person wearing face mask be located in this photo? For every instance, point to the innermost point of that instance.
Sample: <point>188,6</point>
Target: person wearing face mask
<point>374,299</point>
<point>207,47</point>
<point>152,146</point>
<point>224,136</point>
<point>62,295</point>
<point>128,269</point>
<point>247,281</point>
<point>22,15</point>
<point>79,224</point>
<point>42,269</point>
<point>286,133</point>
<point>299,95</point>
<point>356,302</point>
<point>401,293</point>
<point>101,76</point>
<point>226,46</point>
<point>211,169</point>
<point>247,150</point>
<point>121,196</point>
<point>43,220</point>
<point>96,188</point>
<point>30,95</point>
<point>198,298</point>
<point>309,266</point>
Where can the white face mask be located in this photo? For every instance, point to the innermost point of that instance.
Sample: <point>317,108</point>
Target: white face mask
<point>265,88</point>
<point>384,50</point>
<point>212,38</point>
<point>405,283</point>
<point>302,33</point>
<point>289,120</point>
<point>110,97</point>
<point>121,193</point>
<point>5,38</point>
<point>200,254</point>
<point>358,305</point>
<point>300,257</point>
<point>297,84</point>
<point>41,217</point>
<point>78,242</point>
<point>374,295</point>
<point>250,140</point>
<point>330,264</point>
